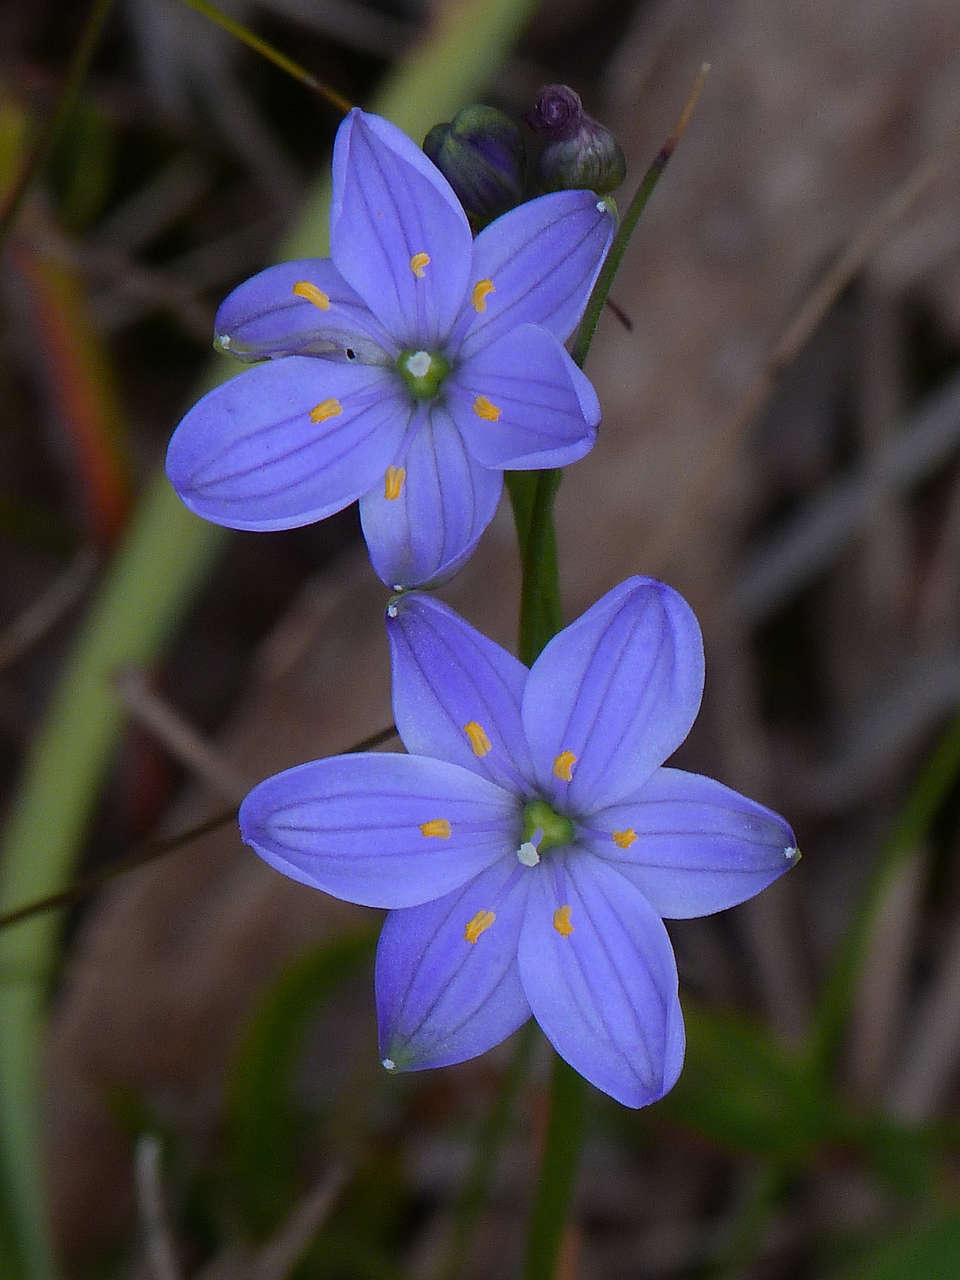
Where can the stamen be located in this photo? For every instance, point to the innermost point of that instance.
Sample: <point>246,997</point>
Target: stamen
<point>563,766</point>
<point>393,482</point>
<point>484,409</point>
<point>624,839</point>
<point>326,409</point>
<point>310,293</point>
<point>417,264</point>
<point>436,827</point>
<point>528,854</point>
<point>480,923</point>
<point>478,738</point>
<point>479,295</point>
<point>561,921</point>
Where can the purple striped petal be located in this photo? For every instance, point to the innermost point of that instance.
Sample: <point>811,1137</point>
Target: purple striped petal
<point>691,845</point>
<point>249,454</point>
<point>447,981</point>
<point>378,829</point>
<point>398,234</point>
<point>598,969</point>
<point>264,318</point>
<point>456,694</point>
<point>522,404</point>
<point>613,695</point>
<point>424,535</point>
<point>542,260</point>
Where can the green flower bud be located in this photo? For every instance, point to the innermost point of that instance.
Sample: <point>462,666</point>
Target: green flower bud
<point>481,155</point>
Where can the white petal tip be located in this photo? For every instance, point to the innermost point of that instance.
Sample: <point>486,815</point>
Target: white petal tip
<point>388,1064</point>
<point>792,854</point>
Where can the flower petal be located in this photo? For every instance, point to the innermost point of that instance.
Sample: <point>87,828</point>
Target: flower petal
<point>456,694</point>
<point>264,318</point>
<point>613,695</point>
<point>398,234</point>
<point>598,969</point>
<point>249,455</point>
<point>542,260</point>
<point>446,501</point>
<point>522,404</point>
<point>442,998</point>
<point>691,845</point>
<point>379,829</point>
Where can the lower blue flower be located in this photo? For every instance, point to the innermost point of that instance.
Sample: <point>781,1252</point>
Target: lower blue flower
<point>532,841</point>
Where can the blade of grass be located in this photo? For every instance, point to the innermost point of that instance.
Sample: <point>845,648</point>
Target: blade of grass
<point>165,559</point>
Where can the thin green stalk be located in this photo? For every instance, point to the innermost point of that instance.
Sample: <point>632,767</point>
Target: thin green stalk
<point>913,822</point>
<point>558,1172</point>
<point>268,51</point>
<point>76,75</point>
<point>540,620</point>
<point>486,1150</point>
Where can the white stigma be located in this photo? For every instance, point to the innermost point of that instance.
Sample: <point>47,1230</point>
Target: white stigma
<point>389,1064</point>
<point>528,854</point>
<point>418,365</point>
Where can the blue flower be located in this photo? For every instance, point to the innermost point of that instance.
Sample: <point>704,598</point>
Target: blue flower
<point>409,370</point>
<point>531,842</point>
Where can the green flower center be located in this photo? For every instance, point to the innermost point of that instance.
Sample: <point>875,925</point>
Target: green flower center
<point>544,828</point>
<point>423,372</point>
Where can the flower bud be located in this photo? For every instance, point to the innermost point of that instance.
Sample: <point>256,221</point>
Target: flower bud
<point>481,155</point>
<point>580,152</point>
<point>556,114</point>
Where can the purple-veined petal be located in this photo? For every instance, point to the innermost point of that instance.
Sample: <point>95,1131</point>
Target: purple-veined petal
<point>264,318</point>
<point>691,845</point>
<point>456,694</point>
<point>542,260</point>
<point>522,404</point>
<point>428,532</point>
<point>598,969</point>
<point>379,829</point>
<point>398,234</point>
<point>613,695</point>
<point>442,997</point>
<point>249,454</point>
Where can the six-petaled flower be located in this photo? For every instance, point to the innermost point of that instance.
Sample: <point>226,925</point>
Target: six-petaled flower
<point>532,841</point>
<point>409,370</point>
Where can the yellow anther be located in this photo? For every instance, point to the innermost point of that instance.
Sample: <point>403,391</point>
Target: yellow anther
<point>624,839</point>
<point>436,827</point>
<point>417,264</point>
<point>484,409</point>
<point>480,923</point>
<point>561,921</point>
<point>479,295</point>
<point>478,739</point>
<point>326,409</point>
<point>393,482</point>
<point>563,766</point>
<point>310,293</point>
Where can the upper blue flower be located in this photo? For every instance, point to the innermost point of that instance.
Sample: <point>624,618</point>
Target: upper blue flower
<point>409,370</point>
<point>531,842</point>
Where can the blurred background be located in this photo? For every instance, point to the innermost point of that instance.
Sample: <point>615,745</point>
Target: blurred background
<point>780,442</point>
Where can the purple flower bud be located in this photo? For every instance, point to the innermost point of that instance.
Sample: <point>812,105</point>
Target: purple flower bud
<point>481,155</point>
<point>591,159</point>
<point>557,113</point>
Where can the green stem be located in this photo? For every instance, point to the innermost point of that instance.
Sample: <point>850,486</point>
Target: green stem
<point>558,1172</point>
<point>533,498</point>
<point>912,824</point>
<point>486,1150</point>
<point>76,75</point>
